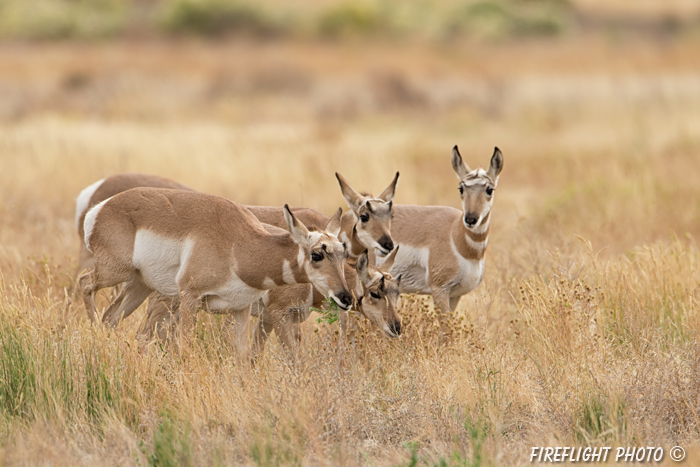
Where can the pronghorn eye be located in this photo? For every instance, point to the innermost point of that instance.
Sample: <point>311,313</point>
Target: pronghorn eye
<point>461,190</point>
<point>316,257</point>
<point>364,217</point>
<point>489,191</point>
<point>374,295</point>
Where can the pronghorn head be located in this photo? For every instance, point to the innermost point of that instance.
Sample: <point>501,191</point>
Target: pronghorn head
<point>476,187</point>
<point>322,256</point>
<point>372,215</point>
<point>380,294</point>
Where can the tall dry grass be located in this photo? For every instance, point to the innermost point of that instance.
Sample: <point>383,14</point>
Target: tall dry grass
<point>583,333</point>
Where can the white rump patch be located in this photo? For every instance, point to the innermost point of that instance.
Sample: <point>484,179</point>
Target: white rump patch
<point>83,202</point>
<point>89,224</point>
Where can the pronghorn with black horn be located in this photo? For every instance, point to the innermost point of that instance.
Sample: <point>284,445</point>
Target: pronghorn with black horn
<point>442,248</point>
<point>208,251</point>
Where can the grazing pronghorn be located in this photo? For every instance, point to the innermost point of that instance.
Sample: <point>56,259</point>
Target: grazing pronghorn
<point>366,226</point>
<point>208,251</point>
<point>375,294</point>
<point>442,249</point>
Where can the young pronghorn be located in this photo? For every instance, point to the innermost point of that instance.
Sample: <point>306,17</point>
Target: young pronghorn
<point>442,249</point>
<point>207,250</point>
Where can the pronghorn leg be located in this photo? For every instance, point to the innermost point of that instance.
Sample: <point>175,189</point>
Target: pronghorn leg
<point>241,319</point>
<point>93,281</point>
<point>288,332</point>
<point>161,317</point>
<point>441,300</point>
<point>86,283</point>
<point>189,305</point>
<point>262,332</point>
<point>132,295</point>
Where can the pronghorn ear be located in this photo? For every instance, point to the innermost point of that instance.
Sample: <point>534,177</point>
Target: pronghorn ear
<point>362,267</point>
<point>389,261</point>
<point>460,168</point>
<point>349,193</point>
<point>496,164</point>
<point>333,226</point>
<point>388,194</point>
<point>300,234</point>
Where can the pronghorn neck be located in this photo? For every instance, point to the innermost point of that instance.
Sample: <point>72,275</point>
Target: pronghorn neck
<point>471,243</point>
<point>286,268</point>
<point>348,233</point>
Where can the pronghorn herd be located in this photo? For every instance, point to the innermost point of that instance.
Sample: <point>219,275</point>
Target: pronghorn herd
<point>185,251</point>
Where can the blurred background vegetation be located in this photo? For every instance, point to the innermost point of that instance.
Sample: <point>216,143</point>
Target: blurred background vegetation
<point>426,19</point>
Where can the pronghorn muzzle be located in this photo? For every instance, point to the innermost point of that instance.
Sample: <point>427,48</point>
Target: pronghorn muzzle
<point>470,219</point>
<point>386,243</point>
<point>343,299</point>
<point>395,327</point>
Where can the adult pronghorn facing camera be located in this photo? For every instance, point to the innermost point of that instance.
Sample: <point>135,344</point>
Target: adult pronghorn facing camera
<point>442,249</point>
<point>209,251</point>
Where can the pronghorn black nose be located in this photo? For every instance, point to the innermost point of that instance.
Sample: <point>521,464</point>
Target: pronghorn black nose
<point>386,243</point>
<point>396,327</point>
<point>345,299</point>
<point>470,220</point>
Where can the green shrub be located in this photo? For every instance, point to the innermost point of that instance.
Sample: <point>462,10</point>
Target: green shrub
<point>217,18</point>
<point>351,18</point>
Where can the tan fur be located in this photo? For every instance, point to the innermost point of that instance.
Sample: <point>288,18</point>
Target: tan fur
<point>379,211</point>
<point>110,187</point>
<point>228,243</point>
<point>285,308</point>
<point>427,262</point>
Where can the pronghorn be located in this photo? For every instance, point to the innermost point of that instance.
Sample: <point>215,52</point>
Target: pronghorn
<point>442,249</point>
<point>375,296</point>
<point>206,250</point>
<point>366,226</point>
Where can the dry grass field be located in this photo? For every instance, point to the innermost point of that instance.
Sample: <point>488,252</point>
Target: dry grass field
<point>584,332</point>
